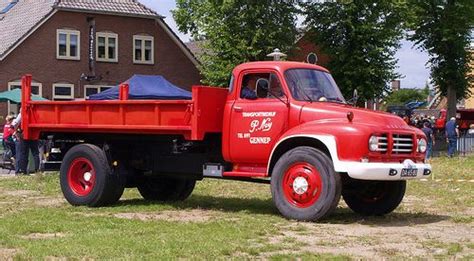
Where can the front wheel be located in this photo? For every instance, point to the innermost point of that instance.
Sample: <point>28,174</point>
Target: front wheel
<point>304,184</point>
<point>373,197</point>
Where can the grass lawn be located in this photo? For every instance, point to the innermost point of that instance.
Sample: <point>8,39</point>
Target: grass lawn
<point>228,219</point>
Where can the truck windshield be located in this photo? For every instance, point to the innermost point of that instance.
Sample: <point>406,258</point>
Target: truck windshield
<point>313,85</point>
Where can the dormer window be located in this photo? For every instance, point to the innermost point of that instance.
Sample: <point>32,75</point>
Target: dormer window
<point>8,7</point>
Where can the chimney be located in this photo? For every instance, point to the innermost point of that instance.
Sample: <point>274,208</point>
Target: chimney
<point>395,85</point>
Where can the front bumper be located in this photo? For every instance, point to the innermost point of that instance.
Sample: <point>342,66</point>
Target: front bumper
<point>388,171</point>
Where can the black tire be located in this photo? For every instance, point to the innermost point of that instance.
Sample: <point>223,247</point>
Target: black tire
<point>107,188</point>
<point>165,188</point>
<point>373,197</point>
<point>310,205</point>
<point>337,198</point>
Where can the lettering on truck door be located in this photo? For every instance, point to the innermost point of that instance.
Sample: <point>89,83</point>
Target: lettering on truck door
<point>258,119</point>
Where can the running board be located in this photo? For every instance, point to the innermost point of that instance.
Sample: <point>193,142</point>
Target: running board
<point>216,170</point>
<point>244,174</point>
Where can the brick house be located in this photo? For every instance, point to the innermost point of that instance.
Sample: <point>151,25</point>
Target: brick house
<point>75,48</point>
<point>304,47</point>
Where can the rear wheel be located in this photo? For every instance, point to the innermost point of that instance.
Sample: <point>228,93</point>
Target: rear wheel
<point>373,197</point>
<point>304,184</point>
<point>87,179</point>
<point>165,188</point>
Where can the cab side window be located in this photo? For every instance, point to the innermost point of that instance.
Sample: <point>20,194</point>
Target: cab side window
<point>261,85</point>
<point>247,90</point>
<point>275,90</point>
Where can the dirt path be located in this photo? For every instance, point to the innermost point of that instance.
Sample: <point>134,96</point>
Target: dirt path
<point>382,241</point>
<point>404,234</point>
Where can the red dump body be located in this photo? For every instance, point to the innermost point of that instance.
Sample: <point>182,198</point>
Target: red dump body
<point>190,118</point>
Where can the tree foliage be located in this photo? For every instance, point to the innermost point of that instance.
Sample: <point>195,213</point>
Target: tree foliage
<point>403,96</point>
<point>361,38</point>
<point>236,31</point>
<point>443,28</point>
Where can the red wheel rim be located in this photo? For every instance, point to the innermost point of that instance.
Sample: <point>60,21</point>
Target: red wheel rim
<point>302,184</point>
<point>81,176</point>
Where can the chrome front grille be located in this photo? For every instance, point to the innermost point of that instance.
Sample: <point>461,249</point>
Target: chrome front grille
<point>402,144</point>
<point>382,142</point>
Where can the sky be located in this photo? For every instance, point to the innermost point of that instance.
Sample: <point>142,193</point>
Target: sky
<point>411,64</point>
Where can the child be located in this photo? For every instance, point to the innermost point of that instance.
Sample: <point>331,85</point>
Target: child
<point>8,131</point>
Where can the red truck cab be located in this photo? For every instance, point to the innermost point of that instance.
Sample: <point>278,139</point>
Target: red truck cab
<point>291,127</point>
<point>464,118</point>
<point>441,120</point>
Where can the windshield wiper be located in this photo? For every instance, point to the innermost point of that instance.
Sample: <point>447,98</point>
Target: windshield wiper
<point>336,99</point>
<point>304,92</point>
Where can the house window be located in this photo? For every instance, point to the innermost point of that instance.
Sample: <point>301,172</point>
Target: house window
<point>63,91</point>
<point>68,44</point>
<point>107,47</point>
<point>94,89</point>
<point>36,89</point>
<point>143,49</point>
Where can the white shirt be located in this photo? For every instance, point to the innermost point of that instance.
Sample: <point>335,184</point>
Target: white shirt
<point>17,120</point>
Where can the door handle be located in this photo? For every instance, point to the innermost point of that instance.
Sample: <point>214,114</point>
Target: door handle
<point>238,109</point>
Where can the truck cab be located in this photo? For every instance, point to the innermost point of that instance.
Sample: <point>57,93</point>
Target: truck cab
<point>298,101</point>
<point>299,110</point>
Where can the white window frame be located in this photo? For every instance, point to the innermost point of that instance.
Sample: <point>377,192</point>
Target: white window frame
<point>63,97</point>
<point>68,34</point>
<point>144,38</point>
<point>107,36</point>
<point>18,83</point>
<point>98,87</point>
<point>35,84</point>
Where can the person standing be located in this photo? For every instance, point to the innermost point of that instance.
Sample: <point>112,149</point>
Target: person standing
<point>429,139</point>
<point>452,134</point>
<point>23,149</point>
<point>18,147</point>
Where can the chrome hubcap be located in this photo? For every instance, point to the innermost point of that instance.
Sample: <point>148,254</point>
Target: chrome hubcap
<point>87,176</point>
<point>300,185</point>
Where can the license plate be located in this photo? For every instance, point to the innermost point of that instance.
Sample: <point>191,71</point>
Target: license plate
<point>409,172</point>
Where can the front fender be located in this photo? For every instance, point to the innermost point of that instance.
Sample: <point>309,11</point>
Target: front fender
<point>338,138</point>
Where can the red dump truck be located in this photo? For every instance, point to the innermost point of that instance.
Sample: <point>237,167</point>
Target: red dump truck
<point>298,134</point>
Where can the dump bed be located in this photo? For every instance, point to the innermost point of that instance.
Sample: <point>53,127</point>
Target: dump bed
<point>190,118</point>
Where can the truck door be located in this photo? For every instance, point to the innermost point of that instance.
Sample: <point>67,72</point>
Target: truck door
<point>257,119</point>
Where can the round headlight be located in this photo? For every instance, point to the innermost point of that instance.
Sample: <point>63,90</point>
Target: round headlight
<point>373,143</point>
<point>422,145</point>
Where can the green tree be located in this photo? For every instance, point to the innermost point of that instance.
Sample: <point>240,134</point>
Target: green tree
<point>236,31</point>
<point>443,28</point>
<point>403,96</point>
<point>361,38</point>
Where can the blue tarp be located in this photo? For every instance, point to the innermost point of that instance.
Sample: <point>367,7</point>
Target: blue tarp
<point>146,87</point>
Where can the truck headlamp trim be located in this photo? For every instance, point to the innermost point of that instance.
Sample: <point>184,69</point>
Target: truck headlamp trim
<point>422,145</point>
<point>373,143</point>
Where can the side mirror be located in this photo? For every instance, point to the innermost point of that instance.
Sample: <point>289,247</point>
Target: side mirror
<point>262,88</point>
<point>355,96</point>
<point>354,99</point>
